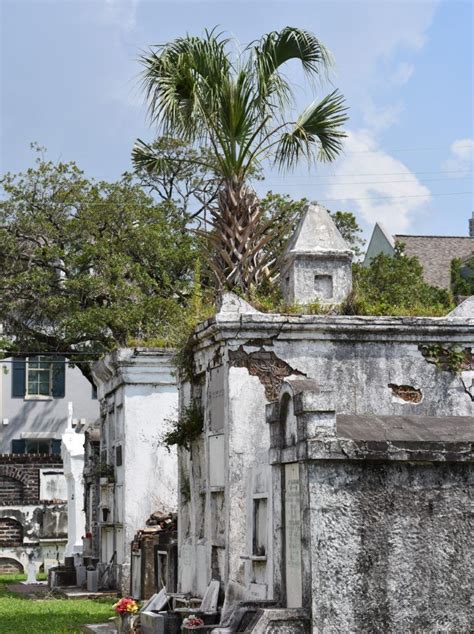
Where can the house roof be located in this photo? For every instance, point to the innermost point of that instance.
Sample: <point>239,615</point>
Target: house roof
<point>435,254</point>
<point>316,234</point>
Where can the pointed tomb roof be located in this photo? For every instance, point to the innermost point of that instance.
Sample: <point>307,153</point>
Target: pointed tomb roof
<point>316,234</point>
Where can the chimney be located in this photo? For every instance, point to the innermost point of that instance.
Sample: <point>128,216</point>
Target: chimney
<point>471,226</point>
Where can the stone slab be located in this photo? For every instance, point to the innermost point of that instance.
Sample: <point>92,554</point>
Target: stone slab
<point>152,623</point>
<point>406,428</point>
<point>211,596</point>
<point>156,603</point>
<point>101,628</point>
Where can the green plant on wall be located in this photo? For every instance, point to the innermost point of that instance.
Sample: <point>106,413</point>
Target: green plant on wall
<point>104,470</point>
<point>451,358</point>
<point>186,428</point>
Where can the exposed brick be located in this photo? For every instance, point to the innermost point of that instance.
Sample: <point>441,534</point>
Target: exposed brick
<point>19,477</point>
<point>11,532</point>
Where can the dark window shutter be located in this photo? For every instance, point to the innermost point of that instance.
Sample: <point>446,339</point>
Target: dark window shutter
<point>56,447</point>
<point>18,378</point>
<point>59,377</point>
<point>19,446</point>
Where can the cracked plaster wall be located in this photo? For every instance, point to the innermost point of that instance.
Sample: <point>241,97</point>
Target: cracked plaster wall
<point>358,366</point>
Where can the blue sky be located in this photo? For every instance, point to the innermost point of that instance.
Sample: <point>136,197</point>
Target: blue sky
<point>69,80</point>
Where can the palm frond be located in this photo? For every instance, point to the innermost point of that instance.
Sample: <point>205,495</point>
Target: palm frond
<point>181,79</point>
<point>317,134</point>
<point>278,47</point>
<point>145,158</point>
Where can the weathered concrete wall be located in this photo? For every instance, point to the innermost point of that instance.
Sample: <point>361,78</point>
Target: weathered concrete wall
<point>391,547</point>
<point>373,366</point>
<point>138,394</point>
<point>43,534</point>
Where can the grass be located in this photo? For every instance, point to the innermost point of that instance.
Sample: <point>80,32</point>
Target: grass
<point>23,615</point>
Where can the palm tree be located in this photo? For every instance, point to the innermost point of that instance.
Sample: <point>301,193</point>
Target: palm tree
<point>239,107</point>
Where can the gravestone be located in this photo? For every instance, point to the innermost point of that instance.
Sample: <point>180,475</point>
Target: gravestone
<point>31,572</point>
<point>210,598</point>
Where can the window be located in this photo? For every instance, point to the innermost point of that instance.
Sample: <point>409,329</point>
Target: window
<point>47,446</point>
<point>42,445</point>
<point>38,377</point>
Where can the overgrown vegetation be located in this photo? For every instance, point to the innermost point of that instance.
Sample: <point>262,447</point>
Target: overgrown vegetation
<point>451,358</point>
<point>105,470</point>
<point>394,285</point>
<point>186,428</point>
<point>462,277</point>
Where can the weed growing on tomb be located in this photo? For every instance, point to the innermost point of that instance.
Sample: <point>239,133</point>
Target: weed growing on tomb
<point>462,280</point>
<point>394,285</point>
<point>186,428</point>
<point>104,470</point>
<point>453,359</point>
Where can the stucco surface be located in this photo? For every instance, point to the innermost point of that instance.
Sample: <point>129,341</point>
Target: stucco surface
<point>391,547</point>
<point>138,395</point>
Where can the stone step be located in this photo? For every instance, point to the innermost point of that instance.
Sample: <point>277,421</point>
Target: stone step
<point>100,628</point>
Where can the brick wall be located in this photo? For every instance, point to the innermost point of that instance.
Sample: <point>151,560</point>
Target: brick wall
<point>11,490</point>
<point>11,533</point>
<point>20,477</point>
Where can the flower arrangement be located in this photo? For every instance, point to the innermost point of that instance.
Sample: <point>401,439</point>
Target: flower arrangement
<point>192,621</point>
<point>126,606</point>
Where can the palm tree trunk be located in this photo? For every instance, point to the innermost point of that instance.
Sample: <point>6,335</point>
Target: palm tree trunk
<point>237,238</point>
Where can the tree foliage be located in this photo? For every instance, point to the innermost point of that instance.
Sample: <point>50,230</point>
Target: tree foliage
<point>85,265</point>
<point>237,105</point>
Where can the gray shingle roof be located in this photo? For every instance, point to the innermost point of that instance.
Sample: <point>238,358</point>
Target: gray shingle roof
<point>435,254</point>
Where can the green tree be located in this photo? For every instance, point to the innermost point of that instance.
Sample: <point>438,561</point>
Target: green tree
<point>394,285</point>
<point>86,266</point>
<point>239,108</point>
<point>462,278</point>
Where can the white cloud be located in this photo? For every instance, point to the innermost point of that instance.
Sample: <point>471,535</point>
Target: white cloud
<point>462,157</point>
<point>379,118</point>
<point>376,185</point>
<point>402,74</point>
<point>121,13</point>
